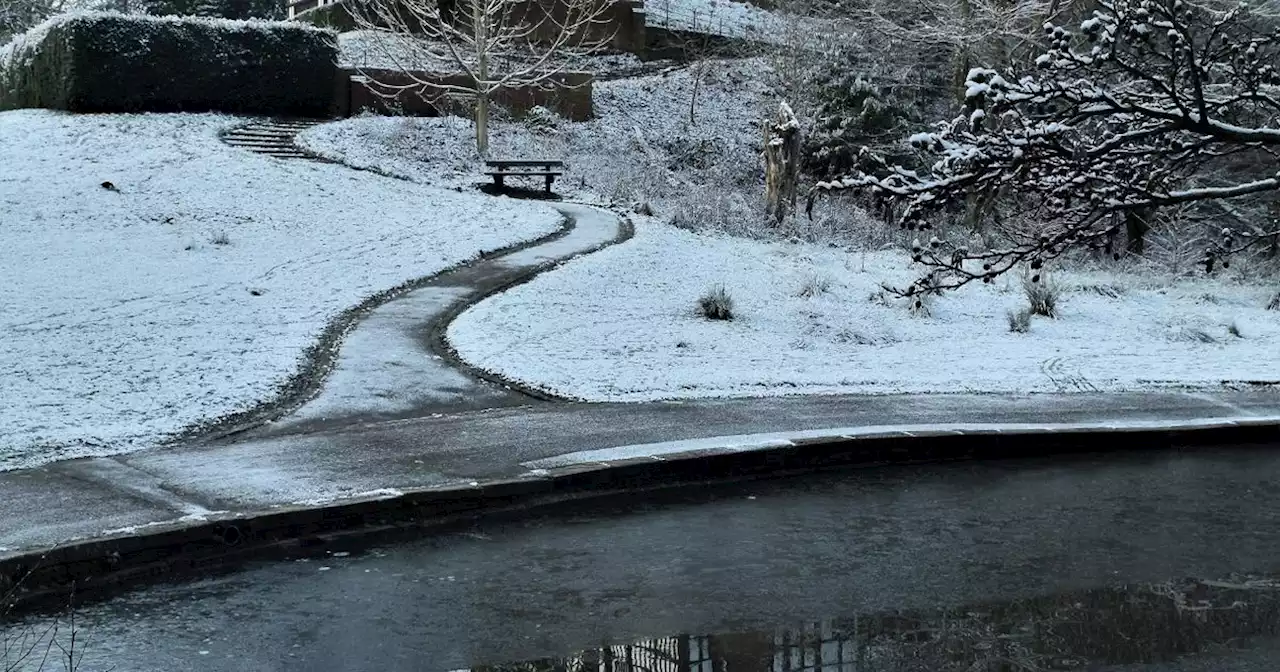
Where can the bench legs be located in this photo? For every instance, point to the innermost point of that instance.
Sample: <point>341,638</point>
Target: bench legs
<point>497,180</point>
<point>550,179</point>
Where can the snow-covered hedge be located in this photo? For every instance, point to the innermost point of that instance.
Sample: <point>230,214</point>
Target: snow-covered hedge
<point>106,62</point>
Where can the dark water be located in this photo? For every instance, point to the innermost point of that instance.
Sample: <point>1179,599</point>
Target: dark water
<point>1229,623</point>
<point>1155,562</point>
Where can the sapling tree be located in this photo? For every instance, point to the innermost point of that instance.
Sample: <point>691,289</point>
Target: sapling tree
<point>494,44</point>
<point>1147,104</point>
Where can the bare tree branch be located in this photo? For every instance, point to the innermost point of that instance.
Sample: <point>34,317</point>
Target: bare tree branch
<point>494,44</point>
<point>1137,110</point>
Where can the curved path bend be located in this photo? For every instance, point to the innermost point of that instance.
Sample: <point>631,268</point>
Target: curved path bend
<point>401,429</point>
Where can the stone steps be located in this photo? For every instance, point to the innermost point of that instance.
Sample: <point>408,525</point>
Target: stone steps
<point>273,138</point>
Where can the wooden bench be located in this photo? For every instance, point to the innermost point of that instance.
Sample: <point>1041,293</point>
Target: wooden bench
<point>500,170</point>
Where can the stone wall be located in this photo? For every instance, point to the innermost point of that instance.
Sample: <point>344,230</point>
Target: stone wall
<point>622,24</point>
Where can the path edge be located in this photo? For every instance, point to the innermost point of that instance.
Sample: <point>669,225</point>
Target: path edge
<point>319,358</point>
<point>438,336</point>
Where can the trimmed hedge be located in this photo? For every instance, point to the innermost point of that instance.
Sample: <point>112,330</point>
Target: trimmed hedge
<point>101,62</point>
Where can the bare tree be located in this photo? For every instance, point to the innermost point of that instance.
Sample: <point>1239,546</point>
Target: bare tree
<point>1149,104</point>
<point>995,32</point>
<point>494,44</point>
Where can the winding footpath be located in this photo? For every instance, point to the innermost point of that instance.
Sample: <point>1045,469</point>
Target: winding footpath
<point>391,429</point>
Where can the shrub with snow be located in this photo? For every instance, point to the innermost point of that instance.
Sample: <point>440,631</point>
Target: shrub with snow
<point>1274,304</point>
<point>716,304</point>
<point>1042,293</point>
<point>853,111</point>
<point>814,284</point>
<point>541,121</point>
<point>1020,320</point>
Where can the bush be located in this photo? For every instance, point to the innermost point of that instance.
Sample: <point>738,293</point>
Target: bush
<point>857,106</point>
<point>101,62</point>
<point>1275,302</point>
<point>1020,321</point>
<point>813,285</point>
<point>541,121</point>
<point>1042,293</point>
<point>716,304</point>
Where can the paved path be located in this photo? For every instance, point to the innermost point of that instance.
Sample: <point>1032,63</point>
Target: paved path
<point>397,414</point>
<point>86,498</point>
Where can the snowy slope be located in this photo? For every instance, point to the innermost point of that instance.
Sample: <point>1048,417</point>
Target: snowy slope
<point>190,289</point>
<point>642,128</point>
<point>715,17</point>
<point>628,330</point>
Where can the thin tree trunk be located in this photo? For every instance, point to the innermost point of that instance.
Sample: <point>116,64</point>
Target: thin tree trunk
<point>482,86</point>
<point>482,123</point>
<point>962,56</point>
<point>693,99</point>
<point>1136,227</point>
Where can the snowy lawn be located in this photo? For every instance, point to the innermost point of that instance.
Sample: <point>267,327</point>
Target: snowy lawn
<point>628,330</point>
<point>189,288</point>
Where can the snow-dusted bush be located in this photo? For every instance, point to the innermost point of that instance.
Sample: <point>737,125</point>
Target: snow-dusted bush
<point>1274,304</point>
<point>1042,293</point>
<point>719,210</point>
<point>814,284</point>
<point>716,304</point>
<point>107,62</point>
<point>853,110</point>
<point>540,120</point>
<point>1019,320</point>
<point>1149,104</point>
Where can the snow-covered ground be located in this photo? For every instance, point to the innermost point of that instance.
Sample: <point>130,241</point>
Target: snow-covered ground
<point>716,17</point>
<point>639,338</point>
<point>627,328</point>
<point>191,287</point>
<point>642,145</point>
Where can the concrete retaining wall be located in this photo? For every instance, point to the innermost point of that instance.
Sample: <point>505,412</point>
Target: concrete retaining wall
<point>621,25</point>
<point>377,91</point>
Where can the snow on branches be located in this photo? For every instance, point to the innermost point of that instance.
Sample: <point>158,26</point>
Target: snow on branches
<point>1148,104</point>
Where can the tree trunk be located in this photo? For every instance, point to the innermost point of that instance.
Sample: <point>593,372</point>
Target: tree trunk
<point>697,82</point>
<point>482,76</point>
<point>1135,228</point>
<point>482,123</point>
<point>962,57</point>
